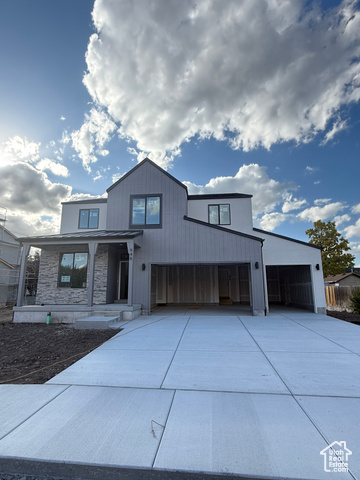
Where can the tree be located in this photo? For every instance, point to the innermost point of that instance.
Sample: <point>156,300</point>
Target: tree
<point>334,246</point>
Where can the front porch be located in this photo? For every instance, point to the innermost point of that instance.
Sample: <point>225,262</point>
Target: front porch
<point>81,275</point>
<point>72,313</point>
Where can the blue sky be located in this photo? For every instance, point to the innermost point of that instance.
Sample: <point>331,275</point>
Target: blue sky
<point>256,97</point>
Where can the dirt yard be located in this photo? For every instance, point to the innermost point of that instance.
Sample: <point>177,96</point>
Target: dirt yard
<point>25,348</point>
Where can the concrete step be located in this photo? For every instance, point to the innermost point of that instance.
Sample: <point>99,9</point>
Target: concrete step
<point>97,323</point>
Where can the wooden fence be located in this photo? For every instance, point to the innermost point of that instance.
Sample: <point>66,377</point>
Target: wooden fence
<point>338,297</point>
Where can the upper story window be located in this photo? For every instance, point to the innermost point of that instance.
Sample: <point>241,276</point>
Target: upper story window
<point>219,214</point>
<point>145,211</point>
<point>89,218</point>
<point>73,270</point>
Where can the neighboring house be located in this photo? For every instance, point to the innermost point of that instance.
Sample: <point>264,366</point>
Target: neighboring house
<point>343,279</point>
<point>9,265</point>
<point>151,243</point>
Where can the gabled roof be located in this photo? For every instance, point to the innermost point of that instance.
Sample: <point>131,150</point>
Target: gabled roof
<point>146,160</point>
<point>286,238</point>
<point>223,229</point>
<point>339,277</point>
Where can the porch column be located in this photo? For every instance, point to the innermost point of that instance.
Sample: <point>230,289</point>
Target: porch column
<point>130,248</point>
<point>92,252</point>
<point>22,277</point>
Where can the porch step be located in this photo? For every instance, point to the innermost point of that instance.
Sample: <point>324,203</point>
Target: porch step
<point>98,323</point>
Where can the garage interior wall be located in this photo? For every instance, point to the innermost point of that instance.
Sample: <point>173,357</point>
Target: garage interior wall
<point>199,284</point>
<point>290,285</point>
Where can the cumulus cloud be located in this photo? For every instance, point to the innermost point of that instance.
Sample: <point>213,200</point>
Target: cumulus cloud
<point>356,208</point>
<point>353,230</point>
<point>292,204</point>
<point>29,195</point>
<point>270,221</point>
<point>324,212</point>
<point>251,179</point>
<point>90,139</point>
<point>54,167</point>
<point>18,149</point>
<point>339,219</point>
<point>251,73</point>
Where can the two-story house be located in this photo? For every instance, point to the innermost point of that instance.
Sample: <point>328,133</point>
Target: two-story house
<point>10,249</point>
<point>150,243</point>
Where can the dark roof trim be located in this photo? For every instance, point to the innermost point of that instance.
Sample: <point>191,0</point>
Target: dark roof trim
<point>146,160</point>
<point>287,238</point>
<point>9,233</point>
<point>214,196</point>
<point>94,200</point>
<point>93,234</point>
<point>226,230</point>
<point>7,264</point>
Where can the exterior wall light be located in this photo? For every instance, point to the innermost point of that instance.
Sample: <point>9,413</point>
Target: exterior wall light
<point>143,266</point>
<point>256,265</point>
<point>317,266</point>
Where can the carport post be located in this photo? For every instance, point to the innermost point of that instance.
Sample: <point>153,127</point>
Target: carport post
<point>21,288</point>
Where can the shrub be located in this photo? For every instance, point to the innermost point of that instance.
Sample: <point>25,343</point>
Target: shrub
<point>355,301</point>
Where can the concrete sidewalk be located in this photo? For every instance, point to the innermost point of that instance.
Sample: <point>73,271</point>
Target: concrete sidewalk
<point>222,394</point>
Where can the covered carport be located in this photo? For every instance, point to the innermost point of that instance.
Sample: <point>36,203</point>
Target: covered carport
<point>201,284</point>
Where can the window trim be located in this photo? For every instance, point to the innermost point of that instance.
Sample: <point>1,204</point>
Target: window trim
<point>145,225</point>
<point>59,271</point>
<point>88,210</point>
<point>218,205</point>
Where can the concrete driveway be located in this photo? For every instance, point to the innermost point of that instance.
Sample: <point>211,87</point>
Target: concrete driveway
<point>200,392</point>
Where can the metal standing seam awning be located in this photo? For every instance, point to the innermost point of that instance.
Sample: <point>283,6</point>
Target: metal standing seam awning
<point>132,238</point>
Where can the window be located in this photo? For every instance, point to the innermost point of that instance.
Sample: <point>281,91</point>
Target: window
<point>219,214</point>
<point>89,218</point>
<point>145,211</point>
<point>73,270</point>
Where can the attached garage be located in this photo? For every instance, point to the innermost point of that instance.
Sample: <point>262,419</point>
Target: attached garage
<point>222,284</point>
<point>290,285</point>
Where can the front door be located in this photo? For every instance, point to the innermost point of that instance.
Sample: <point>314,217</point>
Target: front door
<point>123,280</point>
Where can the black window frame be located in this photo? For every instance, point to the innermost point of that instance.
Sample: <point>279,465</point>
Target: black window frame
<point>69,284</point>
<point>218,205</point>
<point>88,220</point>
<point>145,197</point>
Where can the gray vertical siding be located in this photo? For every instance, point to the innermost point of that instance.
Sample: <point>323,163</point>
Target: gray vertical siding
<point>179,241</point>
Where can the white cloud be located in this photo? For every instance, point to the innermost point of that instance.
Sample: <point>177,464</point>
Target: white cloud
<point>19,149</point>
<point>29,195</point>
<point>356,208</point>
<point>53,167</point>
<point>322,201</point>
<point>254,73</point>
<point>338,126</point>
<point>62,118</point>
<point>313,214</point>
<point>310,170</point>
<point>270,221</point>
<point>88,141</point>
<point>339,219</point>
<point>251,179</point>
<point>353,230</point>
<point>292,204</point>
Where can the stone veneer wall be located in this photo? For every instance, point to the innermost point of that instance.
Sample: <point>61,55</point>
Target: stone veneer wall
<point>101,275</point>
<point>48,292</point>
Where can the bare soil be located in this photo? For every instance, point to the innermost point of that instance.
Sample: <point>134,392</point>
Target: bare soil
<point>25,348</point>
<point>347,317</point>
